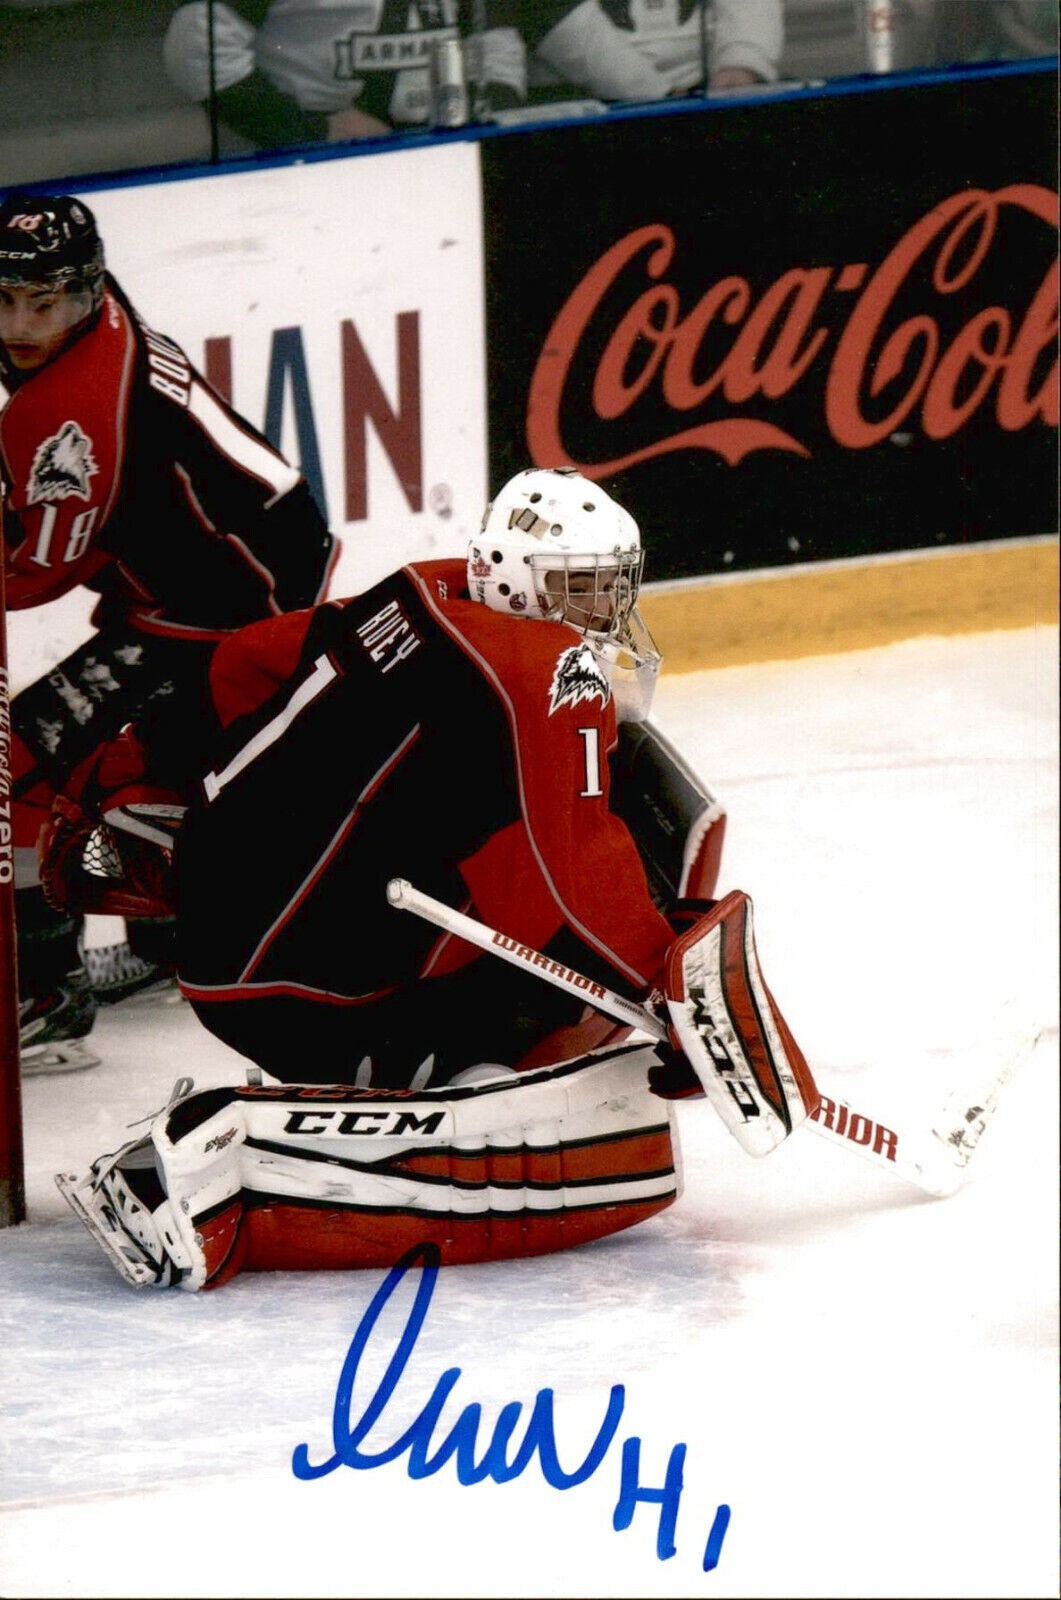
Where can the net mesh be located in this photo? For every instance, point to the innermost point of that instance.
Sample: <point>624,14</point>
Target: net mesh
<point>101,857</point>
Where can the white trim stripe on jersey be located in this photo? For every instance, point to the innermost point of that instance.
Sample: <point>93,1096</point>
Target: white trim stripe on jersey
<point>247,452</point>
<point>322,675</point>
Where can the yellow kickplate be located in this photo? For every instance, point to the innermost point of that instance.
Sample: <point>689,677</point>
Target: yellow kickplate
<point>853,605</point>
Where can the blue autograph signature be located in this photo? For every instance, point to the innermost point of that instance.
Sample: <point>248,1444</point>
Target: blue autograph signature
<point>498,1460</point>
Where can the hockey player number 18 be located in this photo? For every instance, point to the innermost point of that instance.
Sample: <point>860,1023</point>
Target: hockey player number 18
<point>80,533</point>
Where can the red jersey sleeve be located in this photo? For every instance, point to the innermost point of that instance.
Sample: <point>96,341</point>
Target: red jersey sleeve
<point>568,861</point>
<point>251,664</point>
<point>62,447</point>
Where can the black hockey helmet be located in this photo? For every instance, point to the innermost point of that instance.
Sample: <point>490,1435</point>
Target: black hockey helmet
<point>50,239</point>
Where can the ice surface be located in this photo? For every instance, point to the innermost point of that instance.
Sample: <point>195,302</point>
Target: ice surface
<point>866,1377</point>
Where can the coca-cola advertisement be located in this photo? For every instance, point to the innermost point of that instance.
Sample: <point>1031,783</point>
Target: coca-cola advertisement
<point>806,328</point>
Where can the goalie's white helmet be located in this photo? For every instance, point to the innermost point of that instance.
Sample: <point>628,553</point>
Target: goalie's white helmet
<point>555,546</point>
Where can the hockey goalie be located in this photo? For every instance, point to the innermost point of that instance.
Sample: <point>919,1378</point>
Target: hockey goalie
<point>478,727</point>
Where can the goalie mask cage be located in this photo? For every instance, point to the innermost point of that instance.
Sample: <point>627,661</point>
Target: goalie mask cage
<point>12,1180</point>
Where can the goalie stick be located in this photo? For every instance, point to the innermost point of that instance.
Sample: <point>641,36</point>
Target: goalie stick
<point>933,1158</point>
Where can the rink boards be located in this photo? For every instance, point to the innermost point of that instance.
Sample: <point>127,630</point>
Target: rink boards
<point>835,430</point>
<point>853,605</point>
<point>775,340</point>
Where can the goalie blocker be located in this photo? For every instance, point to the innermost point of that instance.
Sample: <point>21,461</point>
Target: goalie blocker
<point>726,1038</point>
<point>292,1177</point>
<point>728,1027</point>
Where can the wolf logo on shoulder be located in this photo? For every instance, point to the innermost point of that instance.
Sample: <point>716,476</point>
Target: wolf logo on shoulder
<point>578,677</point>
<point>62,466</point>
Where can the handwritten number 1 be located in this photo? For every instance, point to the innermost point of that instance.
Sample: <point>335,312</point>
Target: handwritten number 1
<point>715,1538</point>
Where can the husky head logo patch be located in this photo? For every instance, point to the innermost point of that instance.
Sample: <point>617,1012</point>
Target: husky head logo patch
<point>62,466</point>
<point>578,677</point>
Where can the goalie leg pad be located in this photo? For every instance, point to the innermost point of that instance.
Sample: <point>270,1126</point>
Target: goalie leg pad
<point>521,1166</point>
<point>726,1022</point>
<point>315,1177</point>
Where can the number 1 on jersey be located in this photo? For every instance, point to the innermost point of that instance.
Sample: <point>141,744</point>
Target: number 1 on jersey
<point>591,740</point>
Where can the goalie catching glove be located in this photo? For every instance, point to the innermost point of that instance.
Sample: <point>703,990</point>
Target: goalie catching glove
<point>89,865</point>
<point>108,843</point>
<point>735,1045</point>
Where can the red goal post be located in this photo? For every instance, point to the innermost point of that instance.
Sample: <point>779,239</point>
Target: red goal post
<point>12,1171</point>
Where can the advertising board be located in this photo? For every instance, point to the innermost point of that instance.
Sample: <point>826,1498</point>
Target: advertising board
<point>339,306</point>
<point>787,332</point>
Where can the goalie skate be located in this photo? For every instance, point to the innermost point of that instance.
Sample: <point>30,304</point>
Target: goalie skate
<point>116,973</point>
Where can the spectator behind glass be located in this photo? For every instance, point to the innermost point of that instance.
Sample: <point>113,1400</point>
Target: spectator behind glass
<point>290,72</point>
<point>647,49</point>
<point>970,30</point>
<point>926,34</point>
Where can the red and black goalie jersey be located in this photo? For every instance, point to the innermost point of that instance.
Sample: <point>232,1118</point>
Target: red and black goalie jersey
<point>128,474</point>
<point>411,733</point>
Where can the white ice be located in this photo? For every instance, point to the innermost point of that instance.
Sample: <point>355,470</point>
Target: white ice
<point>865,1376</point>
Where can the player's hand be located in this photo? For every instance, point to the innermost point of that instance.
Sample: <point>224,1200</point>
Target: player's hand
<point>733,78</point>
<point>674,1078</point>
<point>354,124</point>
